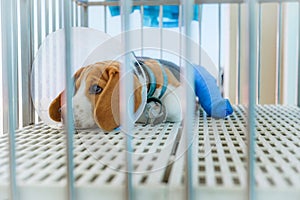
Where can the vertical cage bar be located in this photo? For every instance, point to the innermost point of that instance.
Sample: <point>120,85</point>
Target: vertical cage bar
<point>298,103</point>
<point>188,100</point>
<point>105,19</point>
<point>259,50</point>
<point>200,8</point>
<point>6,60</point>
<point>10,59</point>
<point>69,126</point>
<point>220,47</point>
<point>53,15</point>
<point>39,22</point>
<point>32,39</point>
<point>126,87</point>
<point>4,73</point>
<point>76,14</point>
<point>239,41</point>
<point>251,56</point>
<point>26,61</point>
<point>161,13</point>
<point>142,30</point>
<point>180,18</point>
<point>72,12</point>
<point>60,13</point>
<point>47,13</point>
<point>84,14</point>
<point>278,53</point>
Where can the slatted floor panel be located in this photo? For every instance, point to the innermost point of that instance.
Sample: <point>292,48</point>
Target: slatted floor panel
<point>219,159</point>
<point>220,155</point>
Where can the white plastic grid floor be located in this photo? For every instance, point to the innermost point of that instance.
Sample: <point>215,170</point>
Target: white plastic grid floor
<point>219,165</point>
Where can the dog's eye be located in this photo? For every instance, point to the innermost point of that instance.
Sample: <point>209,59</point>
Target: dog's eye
<point>95,89</point>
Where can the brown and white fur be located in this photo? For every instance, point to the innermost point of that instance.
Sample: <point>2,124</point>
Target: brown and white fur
<point>102,109</point>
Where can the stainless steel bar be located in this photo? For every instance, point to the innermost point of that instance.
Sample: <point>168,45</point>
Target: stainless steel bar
<point>142,30</point>
<point>105,19</point>
<point>72,12</point>
<point>10,64</point>
<point>53,15</point>
<point>161,13</point>
<point>188,101</point>
<point>33,39</point>
<point>180,19</point>
<point>239,42</point>
<point>26,61</point>
<point>15,54</point>
<point>4,79</point>
<point>200,9</point>
<point>219,47</point>
<point>159,2</point>
<point>69,125</point>
<point>298,101</point>
<point>126,87</point>
<point>84,14</point>
<point>47,13</point>
<point>259,51</point>
<point>76,16</point>
<point>275,1</point>
<point>39,22</point>
<point>174,2</point>
<point>60,13</point>
<point>34,42</point>
<point>278,54</point>
<point>251,56</point>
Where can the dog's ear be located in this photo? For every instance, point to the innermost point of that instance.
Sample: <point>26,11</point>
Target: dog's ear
<point>107,110</point>
<point>55,106</point>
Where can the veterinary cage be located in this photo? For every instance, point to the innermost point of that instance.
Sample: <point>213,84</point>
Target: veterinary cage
<point>252,154</point>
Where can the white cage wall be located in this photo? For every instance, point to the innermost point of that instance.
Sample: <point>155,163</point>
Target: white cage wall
<point>39,162</point>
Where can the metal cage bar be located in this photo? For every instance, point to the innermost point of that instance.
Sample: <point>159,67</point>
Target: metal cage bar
<point>47,18</point>
<point>278,54</point>
<point>142,31</point>
<point>76,15</point>
<point>187,101</point>
<point>105,19</point>
<point>298,99</point>
<point>69,126</point>
<point>60,13</point>
<point>252,65</point>
<point>200,8</point>
<point>53,15</point>
<point>161,13</point>
<point>126,86</point>
<point>239,44</point>
<point>73,5</point>
<point>10,63</point>
<point>219,47</point>
<point>84,13</point>
<point>172,2</point>
<point>39,22</point>
<point>26,61</point>
<point>259,51</point>
<point>180,24</point>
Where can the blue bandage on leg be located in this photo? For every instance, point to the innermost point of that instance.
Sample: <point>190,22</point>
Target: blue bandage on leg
<point>209,95</point>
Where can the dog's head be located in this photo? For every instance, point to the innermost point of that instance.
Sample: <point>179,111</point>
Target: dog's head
<point>96,97</point>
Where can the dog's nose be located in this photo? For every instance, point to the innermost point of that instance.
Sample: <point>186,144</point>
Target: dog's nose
<point>77,122</point>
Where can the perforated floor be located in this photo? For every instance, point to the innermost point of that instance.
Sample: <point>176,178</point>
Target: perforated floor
<point>219,162</point>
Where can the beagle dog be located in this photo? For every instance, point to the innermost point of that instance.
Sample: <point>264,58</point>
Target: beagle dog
<point>96,96</point>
